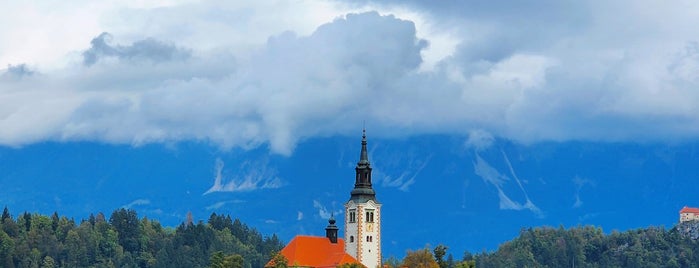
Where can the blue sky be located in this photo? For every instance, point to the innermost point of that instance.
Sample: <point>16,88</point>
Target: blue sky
<point>487,116</point>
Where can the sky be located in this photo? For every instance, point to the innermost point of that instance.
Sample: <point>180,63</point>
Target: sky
<point>494,116</point>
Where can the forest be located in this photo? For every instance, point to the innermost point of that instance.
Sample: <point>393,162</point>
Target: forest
<point>588,246</point>
<point>124,240</point>
<point>582,246</point>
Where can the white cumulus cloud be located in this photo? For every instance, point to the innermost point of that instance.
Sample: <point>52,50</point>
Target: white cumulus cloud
<point>132,73</point>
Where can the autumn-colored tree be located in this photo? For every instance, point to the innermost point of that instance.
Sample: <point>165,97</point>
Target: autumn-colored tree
<point>422,258</point>
<point>279,261</point>
<point>351,265</point>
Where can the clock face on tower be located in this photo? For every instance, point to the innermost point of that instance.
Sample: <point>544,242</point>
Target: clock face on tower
<point>370,227</point>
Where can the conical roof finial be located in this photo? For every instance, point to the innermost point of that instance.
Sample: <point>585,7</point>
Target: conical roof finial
<point>364,157</point>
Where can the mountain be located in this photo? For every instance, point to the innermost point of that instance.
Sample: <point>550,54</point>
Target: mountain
<point>436,189</point>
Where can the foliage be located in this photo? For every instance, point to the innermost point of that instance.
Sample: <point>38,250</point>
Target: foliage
<point>439,252</point>
<point>392,262</point>
<point>420,259</point>
<point>34,240</point>
<point>350,265</point>
<point>279,261</point>
<point>586,246</point>
<point>220,260</point>
<point>589,247</point>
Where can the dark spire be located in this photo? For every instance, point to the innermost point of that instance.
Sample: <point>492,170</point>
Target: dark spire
<point>362,191</point>
<point>331,230</point>
<point>363,156</point>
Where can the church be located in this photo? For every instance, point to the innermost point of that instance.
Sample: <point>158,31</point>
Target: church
<point>362,240</point>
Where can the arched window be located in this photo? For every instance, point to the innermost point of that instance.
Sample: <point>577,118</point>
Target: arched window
<point>352,215</point>
<point>351,238</point>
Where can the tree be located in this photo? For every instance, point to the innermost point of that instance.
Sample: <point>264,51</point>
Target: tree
<point>233,261</point>
<point>466,264</point>
<point>439,252</point>
<point>27,221</point>
<point>351,265</point>
<point>450,261</point>
<point>279,261</point>
<point>392,262</point>
<point>54,221</point>
<point>48,262</point>
<point>125,222</point>
<point>420,259</point>
<point>5,215</point>
<point>7,247</point>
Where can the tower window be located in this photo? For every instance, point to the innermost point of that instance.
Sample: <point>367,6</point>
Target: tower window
<point>369,238</point>
<point>352,215</point>
<point>351,239</point>
<point>370,216</point>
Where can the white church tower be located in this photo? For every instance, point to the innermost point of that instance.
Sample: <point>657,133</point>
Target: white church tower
<point>363,216</point>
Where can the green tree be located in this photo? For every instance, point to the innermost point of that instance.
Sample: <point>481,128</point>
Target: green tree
<point>220,260</point>
<point>48,262</point>
<point>439,252</point>
<point>7,247</point>
<point>5,214</point>
<point>126,223</point>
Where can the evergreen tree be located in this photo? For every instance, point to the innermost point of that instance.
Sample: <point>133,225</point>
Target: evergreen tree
<point>5,215</point>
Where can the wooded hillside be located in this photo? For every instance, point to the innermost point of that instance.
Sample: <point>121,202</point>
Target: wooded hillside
<point>124,240</point>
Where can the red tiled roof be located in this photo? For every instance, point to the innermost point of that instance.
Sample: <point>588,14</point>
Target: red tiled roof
<point>315,251</point>
<point>689,210</point>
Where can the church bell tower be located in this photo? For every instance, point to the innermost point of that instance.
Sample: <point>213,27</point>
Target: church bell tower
<point>363,215</point>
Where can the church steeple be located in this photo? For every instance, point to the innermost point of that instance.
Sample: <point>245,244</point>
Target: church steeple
<point>362,191</point>
<point>363,215</point>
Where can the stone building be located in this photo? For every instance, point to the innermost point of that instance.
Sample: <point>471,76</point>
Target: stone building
<point>689,214</point>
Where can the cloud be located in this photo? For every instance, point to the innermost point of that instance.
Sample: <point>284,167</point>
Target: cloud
<point>311,69</point>
<point>216,205</point>
<point>147,49</point>
<point>479,140</point>
<point>137,202</point>
<point>299,215</point>
<point>252,176</point>
<point>323,212</point>
<point>16,72</point>
<point>492,176</point>
<point>220,204</point>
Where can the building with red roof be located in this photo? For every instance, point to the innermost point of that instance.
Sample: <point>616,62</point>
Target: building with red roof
<point>317,251</point>
<point>689,214</point>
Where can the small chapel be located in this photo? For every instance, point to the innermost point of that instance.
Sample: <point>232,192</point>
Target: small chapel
<point>362,234</point>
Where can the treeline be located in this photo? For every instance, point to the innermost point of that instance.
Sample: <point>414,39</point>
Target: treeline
<point>575,247</point>
<point>124,240</point>
<point>590,247</point>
